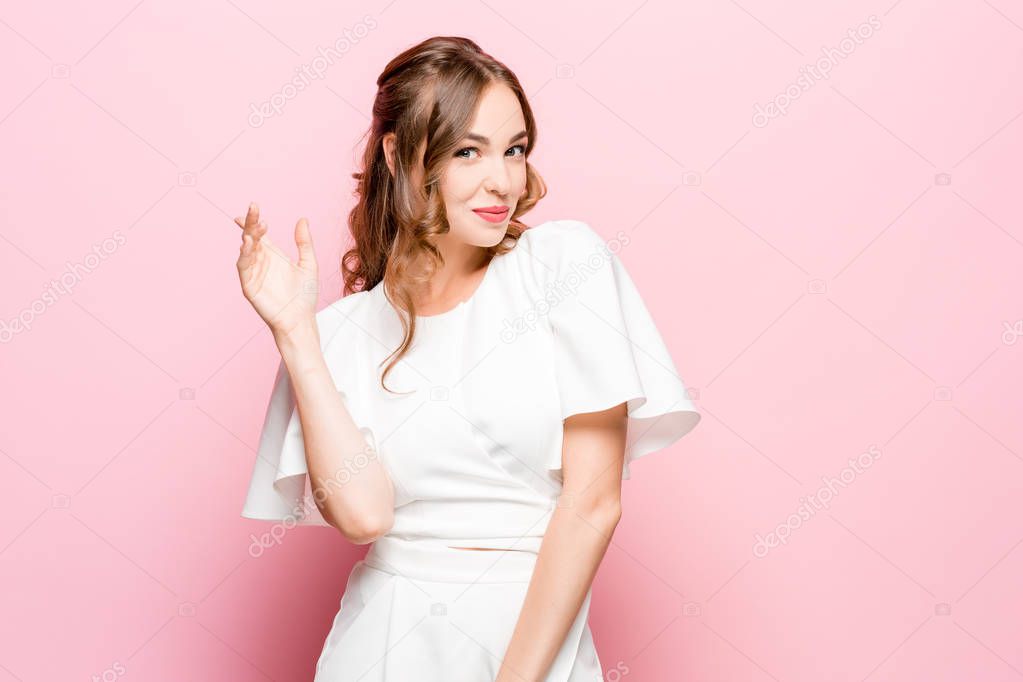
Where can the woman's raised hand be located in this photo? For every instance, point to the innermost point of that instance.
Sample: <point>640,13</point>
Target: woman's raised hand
<point>283,293</point>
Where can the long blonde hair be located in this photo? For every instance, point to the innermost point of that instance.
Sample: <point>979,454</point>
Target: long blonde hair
<point>428,92</point>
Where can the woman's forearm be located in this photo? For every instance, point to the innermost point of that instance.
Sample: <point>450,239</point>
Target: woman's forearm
<point>353,493</point>
<point>573,547</point>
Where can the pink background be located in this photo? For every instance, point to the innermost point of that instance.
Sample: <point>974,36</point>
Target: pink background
<point>842,277</point>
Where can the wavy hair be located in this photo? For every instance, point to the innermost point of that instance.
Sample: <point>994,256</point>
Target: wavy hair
<point>428,93</point>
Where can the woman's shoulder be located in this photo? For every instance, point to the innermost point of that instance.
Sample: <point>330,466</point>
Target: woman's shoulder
<point>347,304</point>
<point>571,237</point>
<point>560,234</point>
<point>558,244</point>
<point>340,311</point>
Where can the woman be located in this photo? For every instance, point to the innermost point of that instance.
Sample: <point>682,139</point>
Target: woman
<point>472,403</point>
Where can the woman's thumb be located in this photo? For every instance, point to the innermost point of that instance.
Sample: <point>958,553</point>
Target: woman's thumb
<point>304,240</point>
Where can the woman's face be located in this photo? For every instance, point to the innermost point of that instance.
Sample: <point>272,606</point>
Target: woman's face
<point>487,170</point>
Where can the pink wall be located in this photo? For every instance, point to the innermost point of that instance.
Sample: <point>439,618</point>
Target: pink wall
<point>838,282</point>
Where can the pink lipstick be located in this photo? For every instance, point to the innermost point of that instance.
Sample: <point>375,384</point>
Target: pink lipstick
<point>492,214</point>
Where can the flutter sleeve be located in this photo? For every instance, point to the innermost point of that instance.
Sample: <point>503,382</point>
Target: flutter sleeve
<point>279,489</point>
<point>607,348</point>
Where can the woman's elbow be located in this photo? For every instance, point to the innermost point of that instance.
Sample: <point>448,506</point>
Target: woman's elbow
<point>363,531</point>
<point>603,513</point>
<point>610,513</point>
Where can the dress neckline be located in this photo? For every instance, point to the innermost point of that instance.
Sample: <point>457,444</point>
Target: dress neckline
<point>429,319</point>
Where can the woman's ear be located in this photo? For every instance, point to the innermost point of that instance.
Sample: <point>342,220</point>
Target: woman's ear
<point>388,142</point>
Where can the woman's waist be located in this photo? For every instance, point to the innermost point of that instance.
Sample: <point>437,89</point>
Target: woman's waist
<point>492,525</point>
<point>447,559</point>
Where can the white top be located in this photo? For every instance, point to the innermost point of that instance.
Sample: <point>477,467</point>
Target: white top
<point>555,328</point>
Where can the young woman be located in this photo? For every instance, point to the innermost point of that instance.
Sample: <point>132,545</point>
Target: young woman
<point>470,406</point>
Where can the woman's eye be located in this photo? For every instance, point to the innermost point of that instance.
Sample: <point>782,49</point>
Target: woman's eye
<point>462,153</point>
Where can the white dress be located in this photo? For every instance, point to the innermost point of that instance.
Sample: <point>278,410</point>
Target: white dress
<point>473,445</point>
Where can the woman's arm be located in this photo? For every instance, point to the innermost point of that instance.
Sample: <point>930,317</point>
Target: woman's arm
<point>284,294</point>
<point>574,543</point>
<point>359,503</point>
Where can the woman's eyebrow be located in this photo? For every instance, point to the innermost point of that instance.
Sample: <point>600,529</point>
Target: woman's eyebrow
<point>482,139</point>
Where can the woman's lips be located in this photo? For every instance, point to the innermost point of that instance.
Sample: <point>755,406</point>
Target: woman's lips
<point>492,217</point>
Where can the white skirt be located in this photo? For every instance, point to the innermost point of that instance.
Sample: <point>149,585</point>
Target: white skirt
<point>423,612</point>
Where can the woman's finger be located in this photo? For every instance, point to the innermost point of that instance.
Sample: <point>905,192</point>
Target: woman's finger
<point>246,256</point>
<point>252,217</point>
<point>258,231</point>
<point>304,241</point>
<point>256,234</point>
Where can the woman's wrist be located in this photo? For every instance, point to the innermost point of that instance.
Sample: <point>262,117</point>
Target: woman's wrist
<point>300,346</point>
